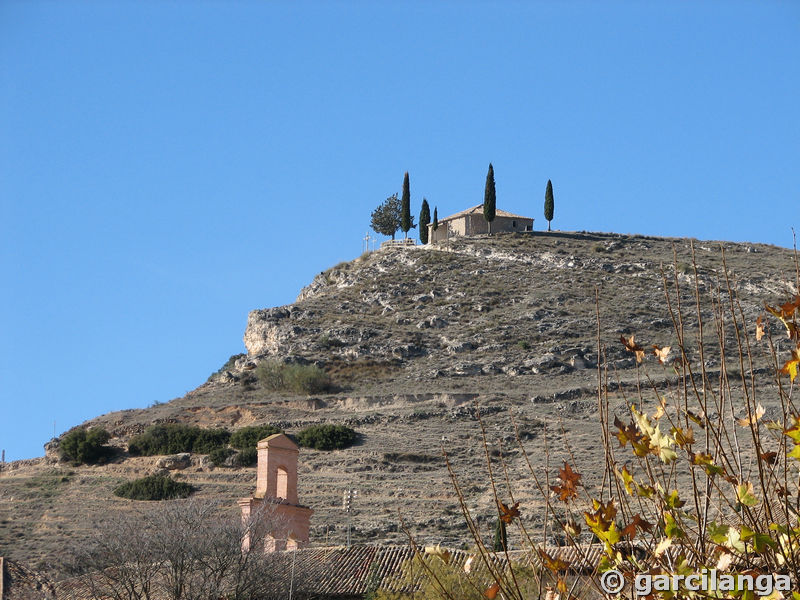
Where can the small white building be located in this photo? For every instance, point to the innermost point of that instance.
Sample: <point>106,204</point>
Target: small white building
<point>471,222</point>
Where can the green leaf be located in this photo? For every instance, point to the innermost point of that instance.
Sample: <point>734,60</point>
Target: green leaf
<point>746,495</point>
<point>705,461</point>
<point>673,500</point>
<point>734,541</point>
<point>759,541</point>
<point>671,527</point>
<point>718,533</point>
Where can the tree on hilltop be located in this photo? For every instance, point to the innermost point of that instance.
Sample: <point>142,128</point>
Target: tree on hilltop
<point>435,218</point>
<point>424,219</point>
<point>406,222</point>
<point>548,203</point>
<point>386,217</point>
<point>489,199</point>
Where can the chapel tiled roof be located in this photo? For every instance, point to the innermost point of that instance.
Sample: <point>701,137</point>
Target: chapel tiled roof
<point>478,209</point>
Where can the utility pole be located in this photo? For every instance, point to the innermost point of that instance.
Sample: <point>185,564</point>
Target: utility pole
<point>347,504</point>
<point>291,580</point>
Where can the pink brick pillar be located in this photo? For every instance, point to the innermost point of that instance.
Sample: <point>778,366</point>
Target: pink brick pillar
<point>287,521</point>
<point>277,468</point>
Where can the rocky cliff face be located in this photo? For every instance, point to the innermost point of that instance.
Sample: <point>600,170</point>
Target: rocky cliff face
<point>267,331</point>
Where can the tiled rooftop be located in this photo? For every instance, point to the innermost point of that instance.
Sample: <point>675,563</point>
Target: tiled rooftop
<point>478,209</point>
<point>347,572</point>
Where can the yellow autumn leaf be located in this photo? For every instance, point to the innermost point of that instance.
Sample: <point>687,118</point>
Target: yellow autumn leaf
<point>572,528</point>
<point>662,353</point>
<point>683,437</point>
<point>724,561</point>
<point>645,491</point>
<point>642,422</point>
<point>753,418</point>
<point>627,479</point>
<point>791,366</point>
<point>662,444</point>
<point>759,328</point>
<point>794,431</point>
<point>662,547</point>
<point>659,443</point>
<point>733,540</point>
<point>661,410</point>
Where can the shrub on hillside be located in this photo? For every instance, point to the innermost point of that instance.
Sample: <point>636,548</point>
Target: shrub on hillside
<point>327,437</point>
<point>302,379</point>
<point>246,458</point>
<point>228,457</point>
<point>218,456</point>
<point>208,440</point>
<point>85,446</point>
<point>248,437</point>
<point>172,438</point>
<point>153,487</point>
<point>412,457</point>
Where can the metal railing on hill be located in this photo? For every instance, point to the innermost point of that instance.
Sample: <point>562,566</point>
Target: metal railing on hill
<point>400,243</point>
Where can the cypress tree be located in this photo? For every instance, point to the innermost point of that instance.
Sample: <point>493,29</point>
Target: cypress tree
<point>435,218</point>
<point>424,219</point>
<point>489,199</point>
<point>405,207</point>
<point>500,541</point>
<point>548,203</point>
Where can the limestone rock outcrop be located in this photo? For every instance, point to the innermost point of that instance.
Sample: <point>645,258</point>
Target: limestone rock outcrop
<point>174,461</point>
<point>266,330</point>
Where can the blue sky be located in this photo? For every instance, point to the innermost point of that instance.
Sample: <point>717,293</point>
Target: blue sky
<point>165,167</point>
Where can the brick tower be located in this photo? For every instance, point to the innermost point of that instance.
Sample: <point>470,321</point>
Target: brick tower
<point>287,522</point>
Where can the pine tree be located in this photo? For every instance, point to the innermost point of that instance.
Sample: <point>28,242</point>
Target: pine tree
<point>500,543</point>
<point>405,207</point>
<point>548,203</point>
<point>489,199</point>
<point>435,218</point>
<point>424,219</point>
<point>386,217</point>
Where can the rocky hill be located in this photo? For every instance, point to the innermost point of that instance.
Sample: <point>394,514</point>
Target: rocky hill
<point>417,343</point>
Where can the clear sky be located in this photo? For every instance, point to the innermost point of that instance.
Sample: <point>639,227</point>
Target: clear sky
<point>165,167</point>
